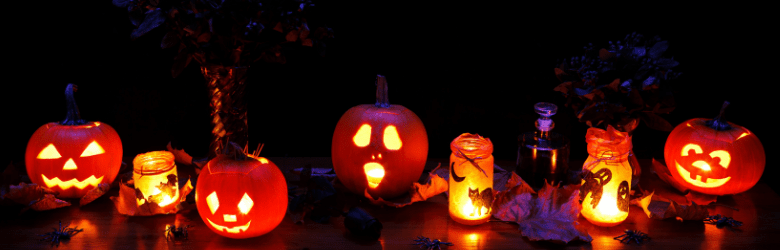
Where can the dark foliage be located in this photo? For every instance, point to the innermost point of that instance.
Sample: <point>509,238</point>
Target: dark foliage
<point>621,84</point>
<point>230,33</point>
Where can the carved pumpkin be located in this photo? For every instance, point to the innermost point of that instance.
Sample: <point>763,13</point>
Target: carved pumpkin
<point>713,156</point>
<point>379,147</point>
<point>241,196</point>
<point>73,156</point>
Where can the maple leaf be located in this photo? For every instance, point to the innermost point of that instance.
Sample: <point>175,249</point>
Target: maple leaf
<point>551,216</point>
<point>47,202</point>
<point>699,198</point>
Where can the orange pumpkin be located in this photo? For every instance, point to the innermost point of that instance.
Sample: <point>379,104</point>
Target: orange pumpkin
<point>241,197</point>
<point>379,147</point>
<point>713,156</point>
<point>73,156</point>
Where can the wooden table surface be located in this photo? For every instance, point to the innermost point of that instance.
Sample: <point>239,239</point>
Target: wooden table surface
<point>105,228</point>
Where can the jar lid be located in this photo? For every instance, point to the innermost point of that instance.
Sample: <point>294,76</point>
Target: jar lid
<point>608,143</point>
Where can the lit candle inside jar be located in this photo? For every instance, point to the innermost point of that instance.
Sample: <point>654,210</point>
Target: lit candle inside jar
<point>471,179</point>
<point>154,174</point>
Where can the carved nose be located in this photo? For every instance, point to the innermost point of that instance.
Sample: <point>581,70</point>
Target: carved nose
<point>229,217</point>
<point>70,165</point>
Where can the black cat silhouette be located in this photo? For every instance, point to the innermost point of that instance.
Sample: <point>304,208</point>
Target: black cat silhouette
<point>481,199</point>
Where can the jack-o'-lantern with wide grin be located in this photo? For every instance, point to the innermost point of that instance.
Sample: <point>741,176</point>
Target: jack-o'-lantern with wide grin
<point>713,156</point>
<point>73,156</point>
<point>241,196</point>
<point>379,148</point>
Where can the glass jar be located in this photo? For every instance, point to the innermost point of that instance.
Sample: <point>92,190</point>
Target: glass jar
<point>471,179</point>
<point>153,173</point>
<point>605,190</point>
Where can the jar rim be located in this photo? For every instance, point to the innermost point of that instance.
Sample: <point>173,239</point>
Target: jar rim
<point>472,145</point>
<point>152,163</point>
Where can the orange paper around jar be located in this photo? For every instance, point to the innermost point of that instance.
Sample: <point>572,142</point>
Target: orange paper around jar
<point>610,176</point>
<point>471,190</point>
<point>151,175</point>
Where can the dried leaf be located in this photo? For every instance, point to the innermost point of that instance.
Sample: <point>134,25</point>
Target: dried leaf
<point>614,85</point>
<point>419,192</point>
<point>655,122</point>
<point>28,193</point>
<point>563,87</point>
<point>605,55</point>
<point>10,175</point>
<point>127,202</point>
<point>663,173</point>
<point>699,198</point>
<point>324,172</point>
<point>552,216</point>
<point>643,202</point>
<point>658,49</point>
<point>362,224</point>
<point>292,36</point>
<point>94,193</point>
<point>170,39</point>
<point>47,202</point>
<point>560,73</point>
<point>658,209</point>
<point>179,155</point>
<point>152,19</point>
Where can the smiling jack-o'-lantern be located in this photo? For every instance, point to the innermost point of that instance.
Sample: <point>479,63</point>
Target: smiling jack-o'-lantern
<point>73,156</point>
<point>714,156</point>
<point>379,147</point>
<point>241,196</point>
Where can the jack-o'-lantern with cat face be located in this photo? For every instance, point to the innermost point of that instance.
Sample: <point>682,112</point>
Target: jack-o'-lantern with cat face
<point>241,197</point>
<point>379,148</point>
<point>73,156</point>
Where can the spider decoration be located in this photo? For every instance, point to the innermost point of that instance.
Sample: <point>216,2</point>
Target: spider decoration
<point>721,221</point>
<point>176,233</point>
<point>629,235</point>
<point>429,244</point>
<point>63,233</point>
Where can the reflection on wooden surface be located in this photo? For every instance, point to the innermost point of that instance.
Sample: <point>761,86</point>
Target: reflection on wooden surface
<point>104,228</point>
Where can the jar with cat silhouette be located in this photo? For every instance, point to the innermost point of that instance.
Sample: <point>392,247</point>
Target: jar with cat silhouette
<point>154,175</point>
<point>471,179</point>
<point>607,181</point>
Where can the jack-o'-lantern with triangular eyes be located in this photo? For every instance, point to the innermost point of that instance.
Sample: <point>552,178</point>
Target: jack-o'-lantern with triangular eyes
<point>713,156</point>
<point>379,148</point>
<point>73,156</point>
<point>241,196</point>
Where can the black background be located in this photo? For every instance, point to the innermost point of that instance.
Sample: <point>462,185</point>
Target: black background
<point>460,67</point>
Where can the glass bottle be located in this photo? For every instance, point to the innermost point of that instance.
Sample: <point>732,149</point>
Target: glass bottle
<point>542,154</point>
<point>471,179</point>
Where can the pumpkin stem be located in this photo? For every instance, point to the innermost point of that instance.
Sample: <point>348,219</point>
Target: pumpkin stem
<point>719,123</point>
<point>234,150</point>
<point>382,100</point>
<point>73,117</point>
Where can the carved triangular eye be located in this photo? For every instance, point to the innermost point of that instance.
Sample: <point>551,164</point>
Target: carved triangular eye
<point>245,205</point>
<point>363,136</point>
<point>213,202</point>
<point>93,149</point>
<point>49,152</point>
<point>391,139</point>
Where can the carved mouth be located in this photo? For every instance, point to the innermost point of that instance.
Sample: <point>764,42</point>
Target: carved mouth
<point>90,181</point>
<point>708,183</point>
<point>233,230</point>
<point>374,173</point>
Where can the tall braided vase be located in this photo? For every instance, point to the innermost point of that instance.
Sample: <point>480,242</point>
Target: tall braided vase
<point>228,105</point>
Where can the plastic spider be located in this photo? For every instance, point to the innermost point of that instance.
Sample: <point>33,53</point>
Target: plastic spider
<point>637,236</point>
<point>63,233</point>
<point>429,244</point>
<point>721,221</point>
<point>176,233</point>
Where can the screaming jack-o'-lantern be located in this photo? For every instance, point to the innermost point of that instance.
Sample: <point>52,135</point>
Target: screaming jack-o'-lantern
<point>379,147</point>
<point>713,156</point>
<point>241,196</point>
<point>73,156</point>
